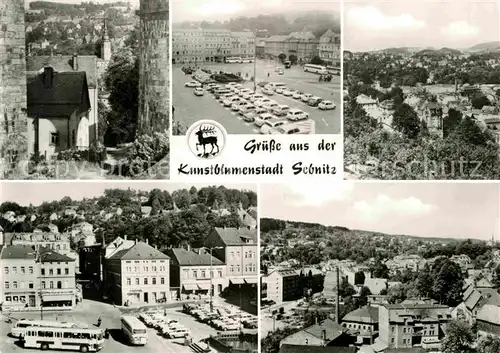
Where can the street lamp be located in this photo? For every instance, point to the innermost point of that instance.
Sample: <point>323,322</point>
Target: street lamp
<point>38,258</point>
<point>254,61</point>
<point>212,275</point>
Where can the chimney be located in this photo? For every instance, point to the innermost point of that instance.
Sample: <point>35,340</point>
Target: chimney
<point>156,247</point>
<point>135,240</point>
<point>75,62</point>
<point>324,335</point>
<point>48,75</point>
<point>189,247</point>
<point>147,241</point>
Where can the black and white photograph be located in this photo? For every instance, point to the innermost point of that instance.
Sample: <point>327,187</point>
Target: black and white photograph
<point>84,89</point>
<point>380,268</point>
<point>421,90</point>
<point>256,67</point>
<point>128,267</point>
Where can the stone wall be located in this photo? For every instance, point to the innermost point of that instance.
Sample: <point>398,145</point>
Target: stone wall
<point>154,64</point>
<point>13,117</point>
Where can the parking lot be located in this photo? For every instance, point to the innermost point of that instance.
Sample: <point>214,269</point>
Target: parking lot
<point>269,322</point>
<point>89,311</point>
<point>190,108</point>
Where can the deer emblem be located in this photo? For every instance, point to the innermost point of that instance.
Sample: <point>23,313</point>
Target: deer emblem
<point>207,140</point>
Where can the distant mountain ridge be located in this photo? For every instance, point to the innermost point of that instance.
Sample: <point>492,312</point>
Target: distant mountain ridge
<point>477,48</point>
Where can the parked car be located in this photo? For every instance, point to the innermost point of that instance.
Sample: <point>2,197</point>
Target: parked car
<point>314,101</point>
<point>261,102</point>
<point>260,110</point>
<point>192,84</point>
<point>260,120</point>
<point>289,92</point>
<point>271,125</point>
<point>280,90</point>
<point>248,95</point>
<point>326,105</point>
<point>249,116</point>
<point>230,100</point>
<point>237,105</point>
<point>281,110</point>
<point>241,92</point>
<point>225,96</point>
<point>268,91</point>
<point>305,97</point>
<point>198,91</point>
<point>296,115</point>
<point>270,106</point>
<point>246,108</point>
<point>297,95</point>
<point>256,97</point>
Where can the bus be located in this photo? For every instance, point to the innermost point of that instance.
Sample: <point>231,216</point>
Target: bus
<point>317,69</point>
<point>247,60</point>
<point>333,70</point>
<point>75,339</point>
<point>134,329</point>
<point>20,326</point>
<point>233,60</point>
<point>288,64</point>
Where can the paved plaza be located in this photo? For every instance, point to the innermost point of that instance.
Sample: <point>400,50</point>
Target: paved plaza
<point>190,108</point>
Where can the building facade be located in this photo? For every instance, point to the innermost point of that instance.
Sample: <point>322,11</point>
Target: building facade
<point>237,248</point>
<point>329,48</point>
<point>190,272</point>
<point>57,279</point>
<point>283,285</point>
<point>137,275</point>
<point>302,45</point>
<point>154,67</point>
<point>406,326</point>
<point>243,44</point>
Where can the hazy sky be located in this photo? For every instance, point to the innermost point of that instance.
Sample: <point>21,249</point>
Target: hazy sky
<point>459,210</point>
<point>211,10</point>
<point>376,24</point>
<point>133,3</point>
<point>35,193</point>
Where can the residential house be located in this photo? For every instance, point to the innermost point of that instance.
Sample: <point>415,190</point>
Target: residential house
<point>58,102</point>
<point>298,348</point>
<point>282,285</point>
<point>237,248</point>
<point>488,321</point>
<point>363,324</point>
<point>325,333</point>
<point>137,275</point>
<point>329,48</point>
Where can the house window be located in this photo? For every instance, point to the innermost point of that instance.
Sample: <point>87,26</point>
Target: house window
<point>14,284</point>
<point>30,285</point>
<point>58,271</point>
<point>145,281</point>
<point>195,274</point>
<point>43,284</point>
<point>137,281</point>
<point>66,271</point>
<point>59,284</point>
<point>51,285</point>
<point>23,270</point>
<point>202,274</point>
<point>154,280</point>
<point>6,270</point>
<point>73,138</point>
<point>129,282</point>
<point>30,270</point>
<point>54,139</point>
<point>51,271</point>
<point>232,268</point>
<point>162,280</point>
<point>14,270</point>
<point>219,273</point>
<point>43,272</point>
<point>6,285</point>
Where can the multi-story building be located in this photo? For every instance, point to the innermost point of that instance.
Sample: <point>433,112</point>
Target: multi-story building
<point>237,248</point>
<point>364,323</point>
<point>406,326</point>
<point>329,48</point>
<point>303,45</point>
<point>488,321</point>
<point>190,272</point>
<point>200,45</point>
<point>57,278</point>
<point>55,241</point>
<point>34,276</point>
<point>243,44</point>
<point>283,285</point>
<point>137,275</point>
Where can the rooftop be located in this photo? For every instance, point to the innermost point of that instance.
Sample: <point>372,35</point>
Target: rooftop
<point>366,314</point>
<point>140,251</point>
<point>295,348</point>
<point>237,236</point>
<point>192,258</point>
<point>18,252</point>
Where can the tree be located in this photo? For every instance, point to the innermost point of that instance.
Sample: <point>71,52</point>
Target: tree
<point>406,121</point>
<point>271,343</point>
<point>489,344</point>
<point>448,283</point>
<point>480,101</point>
<point>346,289</point>
<point>316,60</point>
<point>469,132</point>
<point>379,270</point>
<point>459,338</point>
<point>451,121</point>
<point>282,57</point>
<point>396,294</point>
<point>292,58</point>
<point>424,282</point>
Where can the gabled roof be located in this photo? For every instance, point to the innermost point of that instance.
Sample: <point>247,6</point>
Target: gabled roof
<point>331,329</point>
<point>237,236</point>
<point>18,252</point>
<point>490,314</point>
<point>473,300</point>
<point>66,63</point>
<point>48,255</point>
<point>190,258</point>
<point>366,314</point>
<point>140,251</point>
<point>67,94</point>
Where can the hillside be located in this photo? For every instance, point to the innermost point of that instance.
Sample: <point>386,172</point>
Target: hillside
<point>438,52</point>
<point>185,216</point>
<point>485,46</point>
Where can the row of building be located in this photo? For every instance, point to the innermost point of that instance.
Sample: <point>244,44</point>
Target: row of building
<point>216,45</point>
<point>127,272</point>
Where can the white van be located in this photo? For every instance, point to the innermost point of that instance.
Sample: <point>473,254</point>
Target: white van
<point>275,85</point>
<point>281,110</point>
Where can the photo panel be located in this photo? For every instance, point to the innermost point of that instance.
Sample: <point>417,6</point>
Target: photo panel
<point>256,89</point>
<point>110,266</point>
<point>421,90</point>
<point>379,267</point>
<point>84,90</point>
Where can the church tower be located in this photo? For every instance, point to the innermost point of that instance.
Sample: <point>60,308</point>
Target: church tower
<point>106,44</point>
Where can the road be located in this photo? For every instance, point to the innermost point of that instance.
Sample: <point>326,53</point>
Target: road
<point>190,108</point>
<point>88,312</point>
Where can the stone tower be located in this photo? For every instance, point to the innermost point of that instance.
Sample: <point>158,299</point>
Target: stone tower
<point>154,64</point>
<point>106,44</point>
<point>13,114</point>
